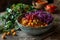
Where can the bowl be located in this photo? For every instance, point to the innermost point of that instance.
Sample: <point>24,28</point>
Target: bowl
<point>34,31</point>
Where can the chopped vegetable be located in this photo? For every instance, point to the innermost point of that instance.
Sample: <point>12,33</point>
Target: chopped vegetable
<point>5,34</point>
<point>50,8</point>
<point>3,37</point>
<point>13,30</point>
<point>8,33</point>
<point>37,19</point>
<point>14,33</point>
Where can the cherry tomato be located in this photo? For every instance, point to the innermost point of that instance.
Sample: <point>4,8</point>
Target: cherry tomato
<point>50,8</point>
<point>53,6</point>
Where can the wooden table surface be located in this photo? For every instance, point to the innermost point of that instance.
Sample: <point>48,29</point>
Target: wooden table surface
<point>53,35</point>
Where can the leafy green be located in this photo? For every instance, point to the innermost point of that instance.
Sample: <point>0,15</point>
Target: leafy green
<point>11,15</point>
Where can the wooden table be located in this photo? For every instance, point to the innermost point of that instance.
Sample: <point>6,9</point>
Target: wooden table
<point>53,34</point>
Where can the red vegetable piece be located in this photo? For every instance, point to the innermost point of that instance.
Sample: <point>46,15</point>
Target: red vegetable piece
<point>50,8</point>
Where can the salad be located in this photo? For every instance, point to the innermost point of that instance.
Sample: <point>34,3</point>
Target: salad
<point>36,19</point>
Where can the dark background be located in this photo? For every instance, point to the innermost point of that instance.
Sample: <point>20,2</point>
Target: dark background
<point>5,3</point>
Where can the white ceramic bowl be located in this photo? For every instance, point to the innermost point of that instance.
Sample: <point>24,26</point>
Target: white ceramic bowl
<point>34,31</point>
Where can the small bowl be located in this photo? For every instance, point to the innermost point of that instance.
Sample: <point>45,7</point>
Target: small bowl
<point>34,31</point>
